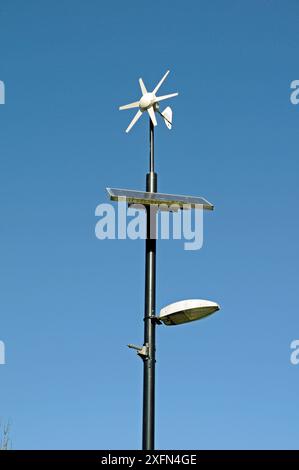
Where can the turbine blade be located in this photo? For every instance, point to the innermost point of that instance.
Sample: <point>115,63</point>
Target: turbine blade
<point>165,97</point>
<point>142,86</point>
<point>129,106</point>
<point>160,82</point>
<point>151,112</point>
<point>134,120</point>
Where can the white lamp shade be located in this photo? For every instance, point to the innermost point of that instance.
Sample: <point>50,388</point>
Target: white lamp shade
<point>185,311</point>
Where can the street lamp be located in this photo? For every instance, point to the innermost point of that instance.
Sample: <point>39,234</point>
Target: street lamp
<point>178,312</point>
<point>186,311</point>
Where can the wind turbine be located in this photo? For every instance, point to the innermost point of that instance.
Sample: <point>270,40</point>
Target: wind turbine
<point>150,102</point>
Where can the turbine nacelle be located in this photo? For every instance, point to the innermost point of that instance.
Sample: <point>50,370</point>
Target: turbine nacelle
<point>146,101</point>
<point>149,102</point>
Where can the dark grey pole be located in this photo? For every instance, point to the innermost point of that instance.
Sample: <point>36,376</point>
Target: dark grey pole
<point>148,435</point>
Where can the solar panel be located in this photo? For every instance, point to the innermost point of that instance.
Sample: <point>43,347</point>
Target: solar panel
<point>147,198</point>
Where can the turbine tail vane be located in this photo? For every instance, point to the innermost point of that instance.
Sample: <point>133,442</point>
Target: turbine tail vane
<point>167,116</point>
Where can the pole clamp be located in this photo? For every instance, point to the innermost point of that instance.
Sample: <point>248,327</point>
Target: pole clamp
<point>154,318</point>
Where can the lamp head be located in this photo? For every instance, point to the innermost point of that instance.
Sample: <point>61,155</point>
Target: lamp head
<point>186,311</point>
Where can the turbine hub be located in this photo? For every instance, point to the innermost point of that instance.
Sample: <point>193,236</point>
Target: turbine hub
<point>146,101</point>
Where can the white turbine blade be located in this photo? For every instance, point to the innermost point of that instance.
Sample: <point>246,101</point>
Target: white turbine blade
<point>167,116</point>
<point>142,86</point>
<point>134,120</point>
<point>129,106</point>
<point>151,112</point>
<point>160,82</point>
<point>165,97</point>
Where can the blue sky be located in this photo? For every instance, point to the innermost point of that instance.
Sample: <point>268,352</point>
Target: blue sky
<point>69,302</point>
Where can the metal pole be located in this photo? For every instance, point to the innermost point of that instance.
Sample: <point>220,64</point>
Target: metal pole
<point>148,435</point>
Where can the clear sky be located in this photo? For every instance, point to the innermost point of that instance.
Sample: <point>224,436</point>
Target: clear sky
<point>69,302</point>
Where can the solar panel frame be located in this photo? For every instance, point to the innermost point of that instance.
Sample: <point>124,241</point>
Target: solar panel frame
<point>147,199</point>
